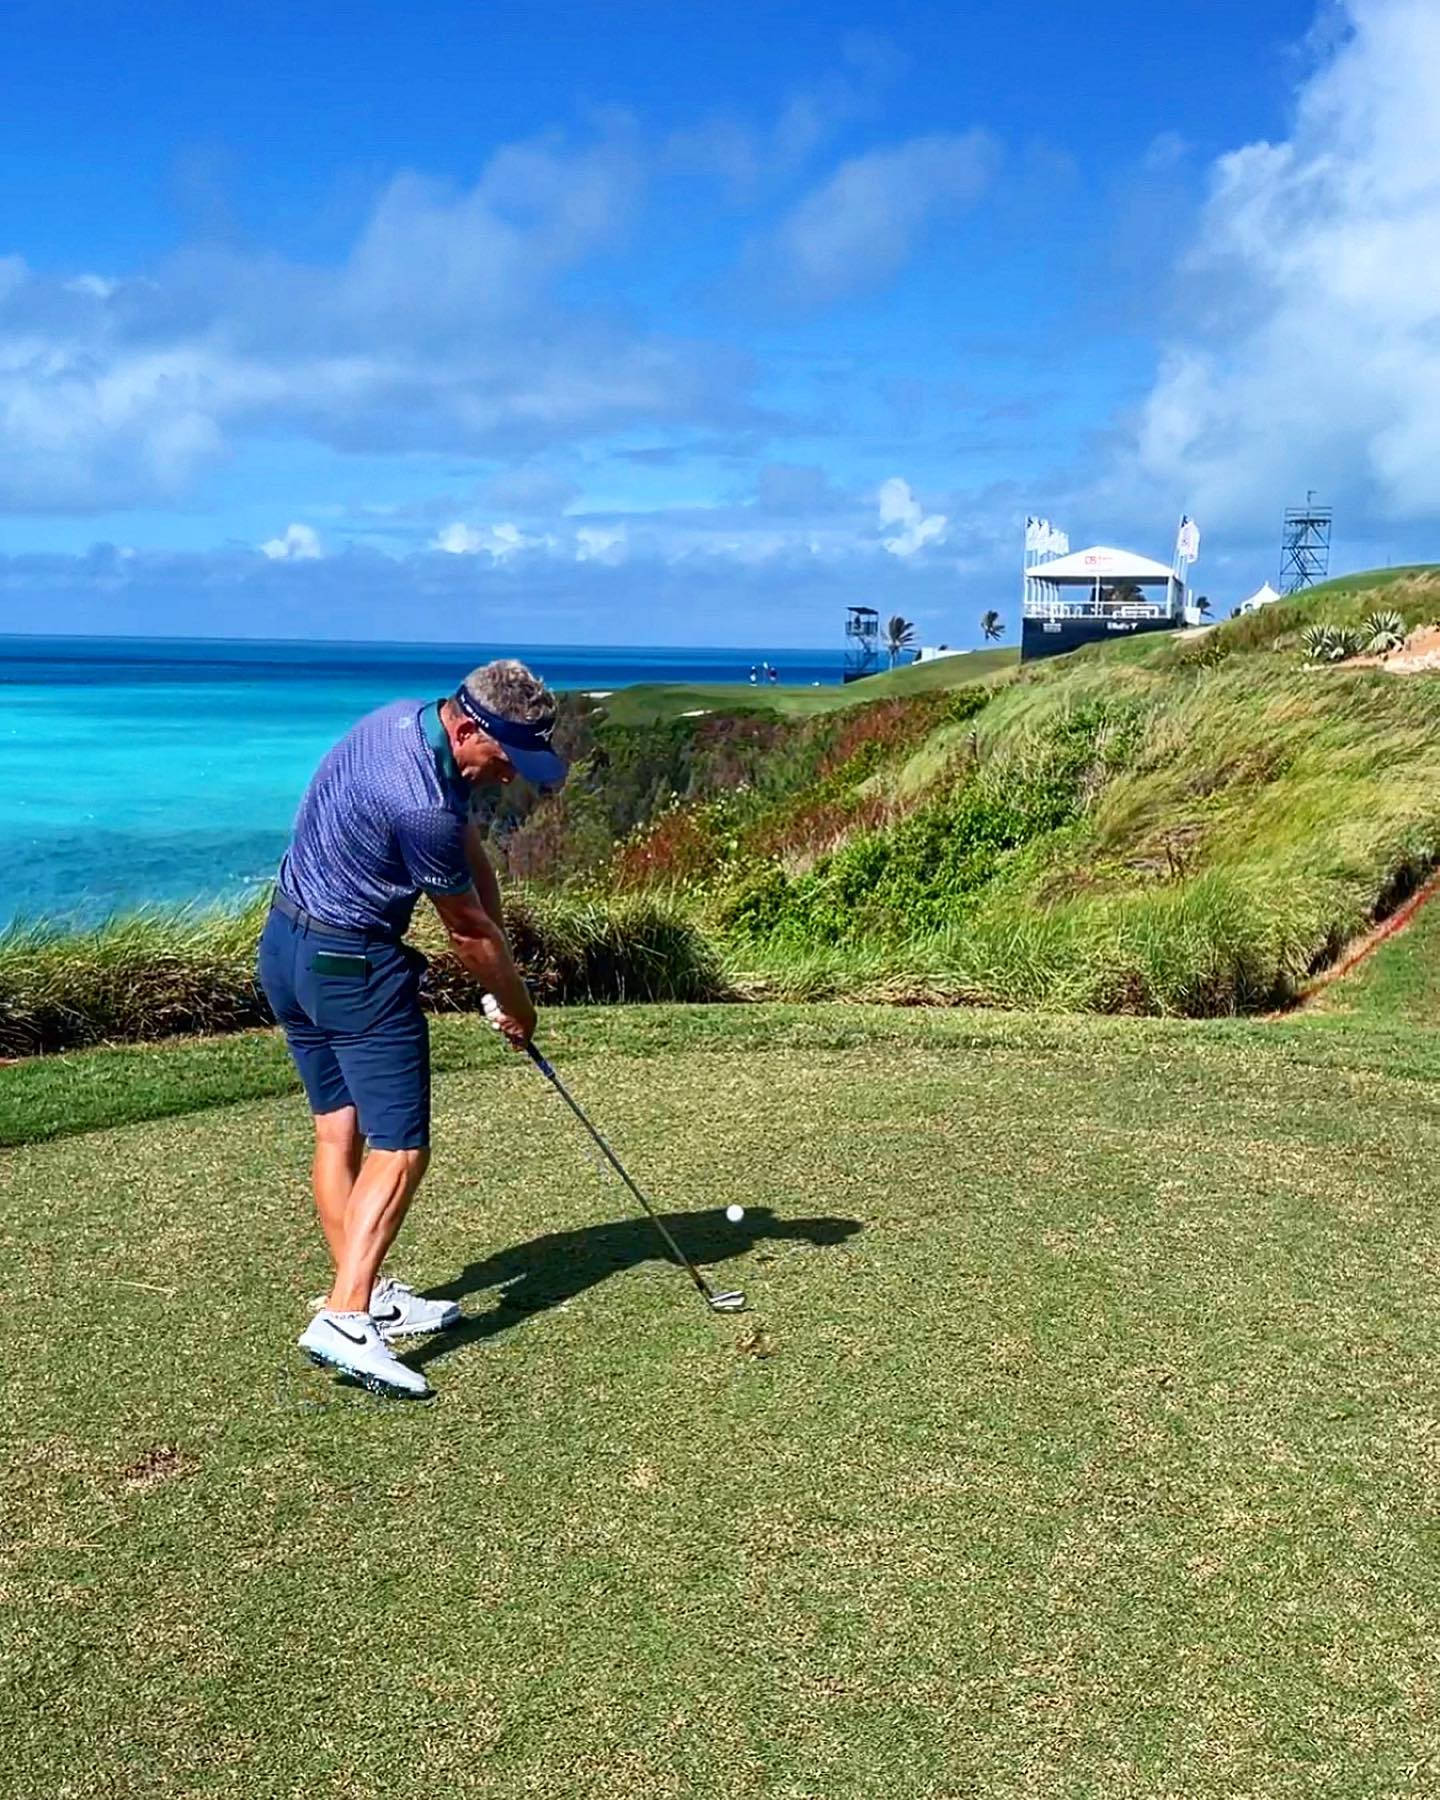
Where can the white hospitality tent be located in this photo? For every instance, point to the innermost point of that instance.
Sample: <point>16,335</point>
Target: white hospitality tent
<point>1263,596</point>
<point>1058,585</point>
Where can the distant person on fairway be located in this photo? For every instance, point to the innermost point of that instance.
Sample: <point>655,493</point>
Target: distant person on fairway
<point>399,808</point>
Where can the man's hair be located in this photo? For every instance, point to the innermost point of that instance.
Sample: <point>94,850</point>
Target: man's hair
<point>509,689</point>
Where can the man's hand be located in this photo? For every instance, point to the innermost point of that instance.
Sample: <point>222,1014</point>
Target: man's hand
<point>518,1032</point>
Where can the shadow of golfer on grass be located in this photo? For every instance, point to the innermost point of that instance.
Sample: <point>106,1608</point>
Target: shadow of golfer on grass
<point>547,1271</point>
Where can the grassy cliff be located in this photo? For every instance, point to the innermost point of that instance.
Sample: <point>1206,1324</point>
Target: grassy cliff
<point>1187,824</point>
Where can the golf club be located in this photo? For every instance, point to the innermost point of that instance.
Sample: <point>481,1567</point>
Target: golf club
<point>731,1301</point>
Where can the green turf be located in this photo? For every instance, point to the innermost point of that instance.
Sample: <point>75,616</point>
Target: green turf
<point>1093,1454</point>
<point>643,704</point>
<point>63,1096</point>
<point>60,1096</point>
<point>1364,580</point>
<point>933,677</point>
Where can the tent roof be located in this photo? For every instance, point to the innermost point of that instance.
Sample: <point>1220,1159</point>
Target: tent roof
<point>1100,562</point>
<point>1261,597</point>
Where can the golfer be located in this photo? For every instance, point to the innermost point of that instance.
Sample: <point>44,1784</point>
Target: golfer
<point>400,807</point>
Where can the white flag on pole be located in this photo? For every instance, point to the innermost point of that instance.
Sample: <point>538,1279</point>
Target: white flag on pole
<point>1058,543</point>
<point>1035,530</point>
<point>1187,543</point>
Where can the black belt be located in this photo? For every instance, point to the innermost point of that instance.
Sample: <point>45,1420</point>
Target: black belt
<point>307,921</point>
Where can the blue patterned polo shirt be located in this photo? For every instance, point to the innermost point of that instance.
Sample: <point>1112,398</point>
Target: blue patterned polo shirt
<point>382,822</point>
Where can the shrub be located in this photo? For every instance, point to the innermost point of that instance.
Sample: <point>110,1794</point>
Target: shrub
<point>1207,652</point>
<point>868,734</point>
<point>682,845</point>
<point>1210,948</point>
<point>1262,629</point>
<point>588,951</point>
<point>1381,632</point>
<point>148,976</point>
<point>886,883</point>
<point>1331,643</point>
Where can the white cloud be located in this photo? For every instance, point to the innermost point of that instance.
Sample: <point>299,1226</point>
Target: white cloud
<point>906,525</point>
<point>798,516</point>
<point>498,542</point>
<point>1315,279</point>
<point>459,539</point>
<point>301,543</point>
<point>441,330</point>
<point>604,544</point>
<point>866,221</point>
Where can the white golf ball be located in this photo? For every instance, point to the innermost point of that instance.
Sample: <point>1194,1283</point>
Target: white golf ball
<point>734,1214</point>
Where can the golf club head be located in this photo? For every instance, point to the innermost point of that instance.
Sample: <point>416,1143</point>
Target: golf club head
<point>734,1301</point>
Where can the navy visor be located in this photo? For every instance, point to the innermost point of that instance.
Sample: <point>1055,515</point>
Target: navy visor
<point>525,741</point>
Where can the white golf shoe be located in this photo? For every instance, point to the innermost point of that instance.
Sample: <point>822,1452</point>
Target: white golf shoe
<point>400,1312</point>
<point>351,1342</point>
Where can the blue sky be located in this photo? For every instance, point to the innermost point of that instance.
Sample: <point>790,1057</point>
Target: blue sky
<point>573,324</point>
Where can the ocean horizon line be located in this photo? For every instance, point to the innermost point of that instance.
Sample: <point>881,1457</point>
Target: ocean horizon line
<point>417,645</point>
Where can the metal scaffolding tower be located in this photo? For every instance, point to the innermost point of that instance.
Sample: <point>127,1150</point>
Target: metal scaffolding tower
<point>1305,546</point>
<point>862,645</point>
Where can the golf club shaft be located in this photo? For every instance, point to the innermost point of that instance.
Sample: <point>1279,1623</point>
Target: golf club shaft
<point>544,1067</point>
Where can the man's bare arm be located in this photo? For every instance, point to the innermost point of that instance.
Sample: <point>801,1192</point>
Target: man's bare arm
<point>482,871</point>
<point>482,949</point>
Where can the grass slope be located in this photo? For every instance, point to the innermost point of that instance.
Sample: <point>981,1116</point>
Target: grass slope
<point>646,704</point>
<point>1242,815</point>
<point>1081,1442</point>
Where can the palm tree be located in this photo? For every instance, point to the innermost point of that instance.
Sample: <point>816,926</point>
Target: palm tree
<point>899,635</point>
<point>1202,605</point>
<point>992,624</point>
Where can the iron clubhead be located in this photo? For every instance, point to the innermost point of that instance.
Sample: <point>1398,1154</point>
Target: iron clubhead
<point>734,1301</point>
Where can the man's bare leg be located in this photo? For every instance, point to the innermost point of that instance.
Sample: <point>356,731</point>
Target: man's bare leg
<point>379,1200</point>
<point>338,1150</point>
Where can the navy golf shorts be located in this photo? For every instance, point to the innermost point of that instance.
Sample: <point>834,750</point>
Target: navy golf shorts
<point>350,1009</point>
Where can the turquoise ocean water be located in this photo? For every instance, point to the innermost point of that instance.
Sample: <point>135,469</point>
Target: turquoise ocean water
<point>139,771</point>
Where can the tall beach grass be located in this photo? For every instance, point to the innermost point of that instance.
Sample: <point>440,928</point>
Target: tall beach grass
<point>162,974</point>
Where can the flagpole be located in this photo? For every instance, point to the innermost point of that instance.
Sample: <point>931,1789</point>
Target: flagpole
<point>1177,567</point>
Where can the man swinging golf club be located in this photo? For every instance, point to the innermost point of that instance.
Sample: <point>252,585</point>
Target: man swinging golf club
<point>399,808</point>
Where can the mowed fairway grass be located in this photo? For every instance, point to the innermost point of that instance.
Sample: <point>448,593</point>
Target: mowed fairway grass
<point>1083,1440</point>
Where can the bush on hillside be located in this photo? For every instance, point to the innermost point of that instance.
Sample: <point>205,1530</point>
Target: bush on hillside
<point>673,803</point>
<point>147,976</point>
<point>590,951</point>
<point>1205,949</point>
<point>1382,632</point>
<point>635,773</point>
<point>1331,643</point>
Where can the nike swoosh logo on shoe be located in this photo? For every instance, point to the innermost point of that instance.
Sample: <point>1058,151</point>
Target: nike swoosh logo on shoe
<point>349,1336</point>
<point>387,1318</point>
